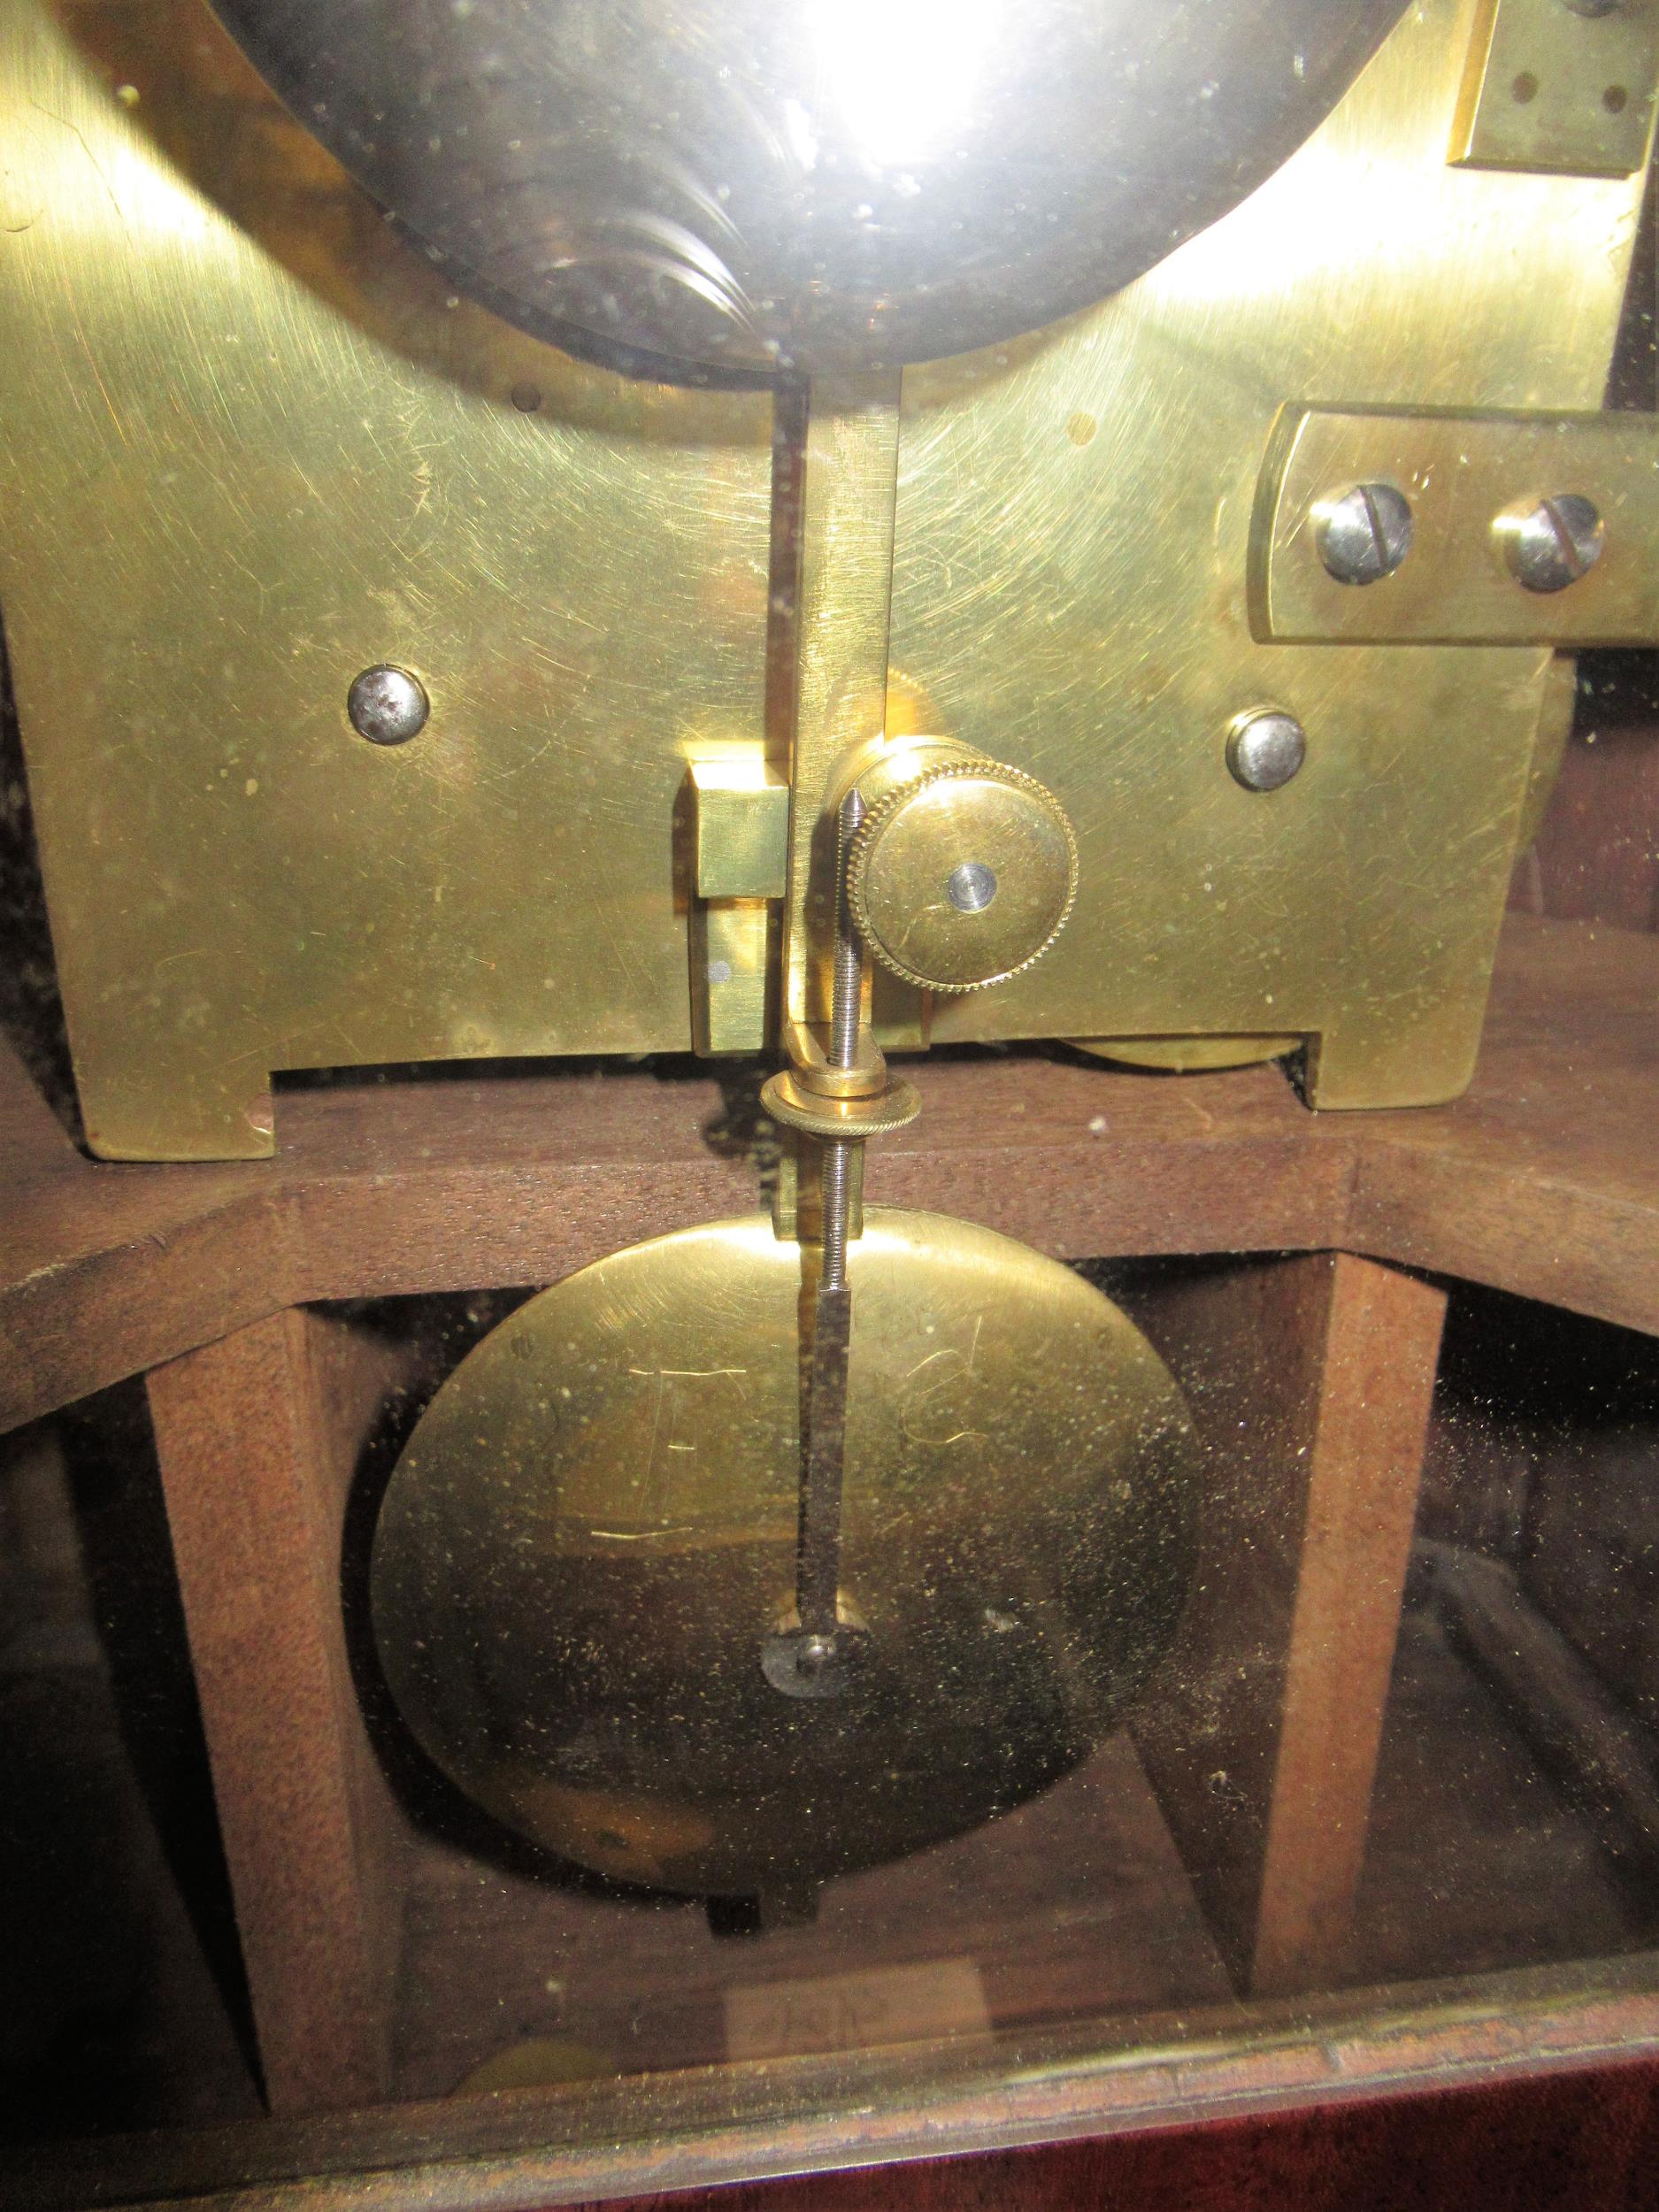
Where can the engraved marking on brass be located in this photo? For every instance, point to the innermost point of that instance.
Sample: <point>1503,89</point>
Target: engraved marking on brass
<point>1470,578</point>
<point>1559,85</point>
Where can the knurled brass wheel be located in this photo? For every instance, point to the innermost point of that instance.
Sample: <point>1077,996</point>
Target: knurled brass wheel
<point>961,875</point>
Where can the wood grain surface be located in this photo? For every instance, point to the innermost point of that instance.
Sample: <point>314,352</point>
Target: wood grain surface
<point>1543,1181</point>
<point>1309,1380</point>
<point>258,1438</point>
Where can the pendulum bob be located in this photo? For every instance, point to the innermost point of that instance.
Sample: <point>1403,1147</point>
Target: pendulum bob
<point>590,1541</point>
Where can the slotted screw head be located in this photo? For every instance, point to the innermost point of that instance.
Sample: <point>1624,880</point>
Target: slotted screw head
<point>1363,533</point>
<point>1553,542</point>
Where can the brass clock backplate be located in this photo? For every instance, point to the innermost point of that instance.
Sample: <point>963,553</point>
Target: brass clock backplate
<point>250,445</point>
<point>592,1533</point>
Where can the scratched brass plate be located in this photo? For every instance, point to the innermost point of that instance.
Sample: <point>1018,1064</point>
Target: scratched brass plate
<point>592,1532</point>
<point>1070,592</point>
<point>249,445</point>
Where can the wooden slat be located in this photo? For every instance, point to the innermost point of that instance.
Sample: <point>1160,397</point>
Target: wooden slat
<point>257,1436</point>
<point>1364,1467</point>
<point>1544,1180</point>
<point>1309,1380</point>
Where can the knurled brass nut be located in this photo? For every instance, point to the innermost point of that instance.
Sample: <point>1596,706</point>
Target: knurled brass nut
<point>963,875</point>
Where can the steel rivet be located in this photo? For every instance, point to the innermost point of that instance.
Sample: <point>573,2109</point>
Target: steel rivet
<point>387,705</point>
<point>970,887</point>
<point>1266,748</point>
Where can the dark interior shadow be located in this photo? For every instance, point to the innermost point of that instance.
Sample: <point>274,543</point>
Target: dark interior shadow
<point>109,1456</point>
<point>31,1010</point>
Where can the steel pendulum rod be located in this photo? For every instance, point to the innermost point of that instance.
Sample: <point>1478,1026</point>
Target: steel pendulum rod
<point>817,1573</point>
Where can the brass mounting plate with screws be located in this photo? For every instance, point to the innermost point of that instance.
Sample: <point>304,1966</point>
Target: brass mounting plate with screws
<point>1481,488</point>
<point>1559,86</point>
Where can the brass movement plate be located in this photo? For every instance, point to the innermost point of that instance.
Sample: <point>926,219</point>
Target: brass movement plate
<point>249,445</point>
<point>592,1532</point>
<point>1074,526</point>
<point>1461,474</point>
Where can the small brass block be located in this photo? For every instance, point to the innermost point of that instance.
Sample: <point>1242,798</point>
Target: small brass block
<point>1556,91</point>
<point>731,976</point>
<point>742,827</point>
<point>1460,473</point>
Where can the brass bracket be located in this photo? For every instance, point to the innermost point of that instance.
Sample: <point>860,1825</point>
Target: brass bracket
<point>739,844</point>
<point>1559,89</point>
<point>1469,480</point>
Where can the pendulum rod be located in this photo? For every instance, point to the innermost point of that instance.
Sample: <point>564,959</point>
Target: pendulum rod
<point>818,1572</point>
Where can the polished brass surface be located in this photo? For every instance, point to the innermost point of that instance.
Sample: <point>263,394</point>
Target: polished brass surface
<point>763,184</point>
<point>962,873</point>
<point>1556,709</point>
<point>733,975</point>
<point>1552,87</point>
<point>797,1193</point>
<point>1472,481</point>
<point>861,1073</point>
<point>1187,1055</point>
<point>592,1532</point>
<point>740,833</point>
<point>247,448</point>
<point>1073,528</point>
<point>833,506</point>
<point>742,825</point>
